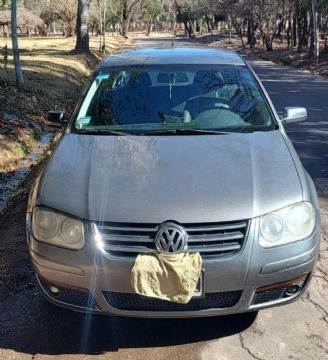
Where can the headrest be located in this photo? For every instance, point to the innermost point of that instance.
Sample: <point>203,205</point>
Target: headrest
<point>208,80</point>
<point>144,81</point>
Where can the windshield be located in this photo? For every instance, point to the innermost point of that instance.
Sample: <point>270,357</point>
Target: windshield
<point>173,99</point>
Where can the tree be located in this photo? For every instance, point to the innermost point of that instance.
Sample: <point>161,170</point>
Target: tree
<point>316,44</point>
<point>153,9</point>
<point>4,5</point>
<point>237,14</point>
<point>102,21</point>
<point>324,23</point>
<point>17,63</point>
<point>269,17</point>
<point>128,8</point>
<point>113,14</point>
<point>66,11</point>
<point>26,20</point>
<point>82,27</point>
<point>185,15</point>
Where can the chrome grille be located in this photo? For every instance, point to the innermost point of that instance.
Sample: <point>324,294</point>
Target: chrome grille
<point>129,240</point>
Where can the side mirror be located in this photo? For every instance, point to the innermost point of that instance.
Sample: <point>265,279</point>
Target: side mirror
<point>56,118</point>
<point>294,115</point>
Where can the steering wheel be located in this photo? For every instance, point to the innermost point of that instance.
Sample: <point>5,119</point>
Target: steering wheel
<point>220,105</point>
<point>223,118</point>
<point>199,104</point>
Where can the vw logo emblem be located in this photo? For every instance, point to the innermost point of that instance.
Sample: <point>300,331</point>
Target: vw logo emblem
<point>171,239</point>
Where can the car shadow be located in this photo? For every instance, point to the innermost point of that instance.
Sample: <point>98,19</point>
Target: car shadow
<point>33,326</point>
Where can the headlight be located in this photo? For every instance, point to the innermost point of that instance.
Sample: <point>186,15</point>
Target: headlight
<point>293,223</point>
<point>56,229</point>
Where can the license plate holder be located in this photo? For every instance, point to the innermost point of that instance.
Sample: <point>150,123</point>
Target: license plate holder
<point>200,288</point>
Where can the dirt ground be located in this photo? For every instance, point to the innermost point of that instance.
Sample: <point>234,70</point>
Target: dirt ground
<point>53,77</point>
<point>33,329</point>
<point>281,54</point>
<point>53,73</point>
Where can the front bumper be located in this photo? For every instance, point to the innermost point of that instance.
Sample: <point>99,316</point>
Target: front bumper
<point>86,277</point>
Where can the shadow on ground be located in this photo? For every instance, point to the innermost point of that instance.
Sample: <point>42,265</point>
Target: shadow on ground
<point>290,87</point>
<point>29,324</point>
<point>33,326</point>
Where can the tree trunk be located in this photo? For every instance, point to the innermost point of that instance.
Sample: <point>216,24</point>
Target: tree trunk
<point>5,58</point>
<point>17,63</point>
<point>230,29</point>
<point>208,24</point>
<point>239,30</point>
<point>104,29</point>
<point>249,33</point>
<point>185,28</point>
<point>82,27</point>
<point>69,30</point>
<point>305,28</point>
<point>125,19</point>
<point>316,44</point>
<point>149,24</point>
<point>100,27</point>
<point>267,40</point>
<point>280,29</point>
<point>311,49</point>
<point>190,29</point>
<point>294,31</point>
<point>251,40</point>
<point>299,32</point>
<point>197,26</point>
<point>125,27</point>
<point>289,30</point>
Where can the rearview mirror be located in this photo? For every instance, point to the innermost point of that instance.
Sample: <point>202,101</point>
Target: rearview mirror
<point>55,118</point>
<point>294,115</point>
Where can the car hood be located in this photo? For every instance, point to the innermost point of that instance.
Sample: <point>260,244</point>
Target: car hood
<point>188,179</point>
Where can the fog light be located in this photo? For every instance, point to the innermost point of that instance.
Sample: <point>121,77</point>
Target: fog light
<point>299,281</point>
<point>278,291</point>
<point>292,289</point>
<point>55,291</point>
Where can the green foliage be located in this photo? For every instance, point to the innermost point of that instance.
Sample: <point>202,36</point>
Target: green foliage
<point>114,12</point>
<point>5,4</point>
<point>24,149</point>
<point>153,8</point>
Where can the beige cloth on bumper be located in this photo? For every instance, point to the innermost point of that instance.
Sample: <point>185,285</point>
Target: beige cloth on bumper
<point>167,277</point>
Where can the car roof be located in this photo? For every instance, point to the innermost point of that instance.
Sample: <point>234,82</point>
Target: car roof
<point>187,55</point>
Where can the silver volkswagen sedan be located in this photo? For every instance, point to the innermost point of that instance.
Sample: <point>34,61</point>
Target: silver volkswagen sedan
<point>182,140</point>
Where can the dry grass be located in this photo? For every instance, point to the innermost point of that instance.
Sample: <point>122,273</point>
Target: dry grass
<point>53,77</point>
<point>51,69</point>
<point>17,138</point>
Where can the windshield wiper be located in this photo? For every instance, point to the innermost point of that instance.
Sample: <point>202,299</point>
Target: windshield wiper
<point>103,132</point>
<point>185,132</point>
